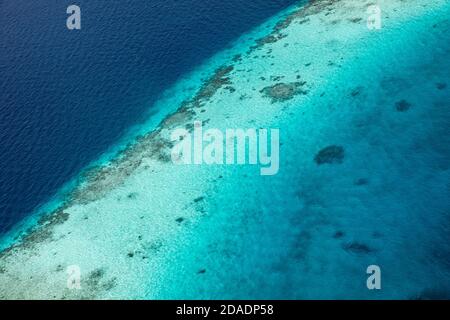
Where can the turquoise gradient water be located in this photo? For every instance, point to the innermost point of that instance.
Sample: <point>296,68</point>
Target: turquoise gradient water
<point>309,232</point>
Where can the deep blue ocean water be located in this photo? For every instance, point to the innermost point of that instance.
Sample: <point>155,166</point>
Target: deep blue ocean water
<point>66,96</point>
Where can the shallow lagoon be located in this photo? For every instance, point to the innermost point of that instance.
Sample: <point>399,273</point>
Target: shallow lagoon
<point>363,179</point>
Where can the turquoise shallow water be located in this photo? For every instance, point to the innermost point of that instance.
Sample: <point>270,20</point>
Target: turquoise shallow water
<point>380,98</point>
<point>311,231</point>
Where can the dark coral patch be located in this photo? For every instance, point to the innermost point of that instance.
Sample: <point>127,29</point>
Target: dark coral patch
<point>355,20</point>
<point>199,199</point>
<point>338,234</point>
<point>304,21</point>
<point>358,248</point>
<point>331,154</point>
<point>108,285</point>
<point>209,88</point>
<point>237,58</point>
<point>132,195</point>
<point>43,232</point>
<point>402,106</point>
<point>271,38</point>
<point>284,91</point>
<point>441,85</point>
<point>96,282</point>
<point>356,91</point>
<point>361,182</point>
<point>230,88</point>
<point>95,276</point>
<point>58,217</point>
